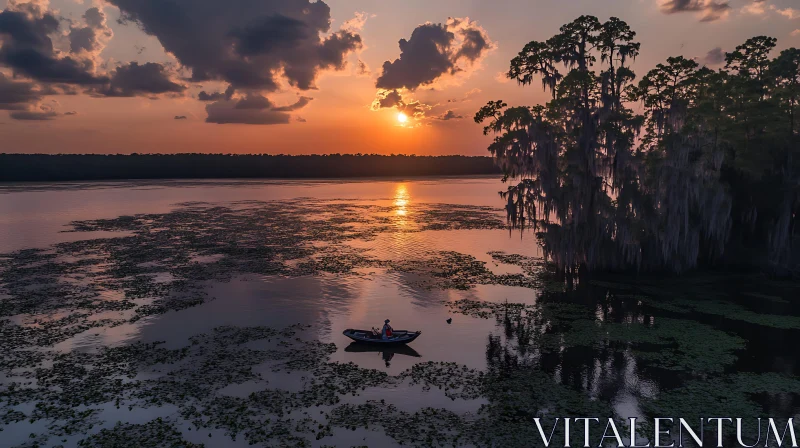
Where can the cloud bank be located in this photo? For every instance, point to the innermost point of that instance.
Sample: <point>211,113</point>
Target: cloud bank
<point>255,46</point>
<point>251,44</point>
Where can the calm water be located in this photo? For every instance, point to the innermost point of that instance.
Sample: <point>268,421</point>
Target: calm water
<point>334,255</point>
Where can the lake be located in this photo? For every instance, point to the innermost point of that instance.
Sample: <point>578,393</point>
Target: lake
<point>188,313</point>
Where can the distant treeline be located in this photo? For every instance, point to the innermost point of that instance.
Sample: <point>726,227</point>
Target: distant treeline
<point>62,167</point>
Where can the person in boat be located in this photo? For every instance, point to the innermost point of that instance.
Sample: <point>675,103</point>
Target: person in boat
<point>387,330</point>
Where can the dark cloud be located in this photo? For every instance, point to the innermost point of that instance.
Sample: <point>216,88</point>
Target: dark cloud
<point>709,10</point>
<point>15,95</point>
<point>133,79</point>
<point>91,37</point>
<point>257,102</point>
<point>59,89</point>
<point>226,112</point>
<point>333,51</point>
<point>72,112</point>
<point>82,39</point>
<point>432,51</point>
<point>393,98</point>
<point>301,103</point>
<point>216,96</point>
<point>270,34</point>
<point>32,115</point>
<point>245,42</point>
<point>450,115</point>
<point>95,18</point>
<point>28,48</point>
<point>714,56</point>
<point>387,98</point>
<point>475,44</point>
<point>41,113</point>
<point>252,109</point>
<point>180,117</point>
<point>423,58</point>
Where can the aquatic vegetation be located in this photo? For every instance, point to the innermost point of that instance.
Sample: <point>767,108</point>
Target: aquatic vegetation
<point>153,269</point>
<point>192,378</point>
<point>741,395</point>
<point>702,295</point>
<point>725,309</point>
<point>457,381</point>
<point>454,270</point>
<point>427,427</point>
<point>153,434</point>
<point>541,362</point>
<point>661,342</point>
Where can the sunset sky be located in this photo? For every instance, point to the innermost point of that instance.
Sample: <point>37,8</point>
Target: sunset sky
<point>300,77</point>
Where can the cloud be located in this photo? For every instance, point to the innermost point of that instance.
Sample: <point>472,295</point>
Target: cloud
<point>253,108</point>
<point>253,102</point>
<point>449,115</point>
<point>133,79</point>
<point>72,112</point>
<point>363,69</point>
<point>216,96</point>
<point>708,10</point>
<point>789,13</point>
<point>357,23</point>
<point>180,117</point>
<point>226,112</point>
<point>17,95</point>
<point>387,98</point>
<point>251,44</point>
<point>41,112</point>
<point>756,8</point>
<point>795,32</point>
<point>501,77</point>
<point>392,98</point>
<point>32,115</point>
<point>301,103</point>
<point>433,51</point>
<point>714,56</point>
<point>28,50</point>
<point>92,37</point>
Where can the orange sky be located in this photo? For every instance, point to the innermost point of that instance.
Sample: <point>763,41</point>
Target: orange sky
<point>340,117</point>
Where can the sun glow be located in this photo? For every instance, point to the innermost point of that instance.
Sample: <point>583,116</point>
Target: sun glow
<point>402,118</point>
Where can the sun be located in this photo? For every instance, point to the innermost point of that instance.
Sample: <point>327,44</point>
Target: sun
<point>402,118</point>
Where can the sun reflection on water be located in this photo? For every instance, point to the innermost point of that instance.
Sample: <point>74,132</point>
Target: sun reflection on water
<point>401,199</point>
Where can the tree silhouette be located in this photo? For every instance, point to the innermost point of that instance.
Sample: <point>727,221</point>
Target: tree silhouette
<point>708,163</point>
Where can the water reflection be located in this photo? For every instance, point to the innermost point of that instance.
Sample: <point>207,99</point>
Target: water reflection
<point>387,352</point>
<point>401,200</point>
<point>586,352</point>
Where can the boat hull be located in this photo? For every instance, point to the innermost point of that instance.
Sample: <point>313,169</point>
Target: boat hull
<point>399,337</point>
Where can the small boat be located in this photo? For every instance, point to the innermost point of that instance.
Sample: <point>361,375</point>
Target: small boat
<point>373,337</point>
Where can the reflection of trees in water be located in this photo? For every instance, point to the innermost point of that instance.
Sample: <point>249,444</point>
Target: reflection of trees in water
<point>594,346</point>
<point>535,368</point>
<point>542,339</point>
